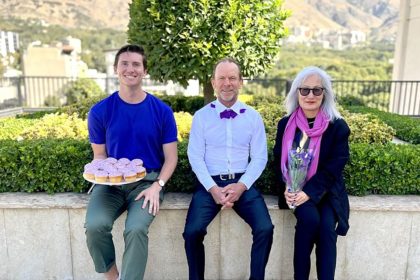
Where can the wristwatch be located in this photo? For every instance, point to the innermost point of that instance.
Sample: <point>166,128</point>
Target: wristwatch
<point>160,182</point>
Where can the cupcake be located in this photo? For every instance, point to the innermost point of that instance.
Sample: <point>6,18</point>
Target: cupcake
<point>120,165</point>
<point>115,177</point>
<point>124,161</point>
<point>140,170</point>
<point>97,161</point>
<point>89,166</point>
<point>130,176</point>
<point>101,176</point>
<point>109,168</point>
<point>137,162</point>
<point>111,160</point>
<point>89,173</point>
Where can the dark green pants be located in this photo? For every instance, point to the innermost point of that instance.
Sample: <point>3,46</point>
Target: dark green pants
<point>106,204</point>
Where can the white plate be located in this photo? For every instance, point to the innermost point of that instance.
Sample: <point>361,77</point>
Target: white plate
<point>112,184</point>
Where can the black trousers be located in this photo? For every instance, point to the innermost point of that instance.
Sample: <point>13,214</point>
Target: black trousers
<point>315,226</point>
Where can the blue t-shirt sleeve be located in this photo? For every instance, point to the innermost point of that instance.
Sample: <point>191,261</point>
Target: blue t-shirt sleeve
<point>169,127</point>
<point>96,128</point>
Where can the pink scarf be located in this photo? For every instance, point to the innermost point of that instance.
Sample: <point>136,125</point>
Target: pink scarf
<point>298,119</point>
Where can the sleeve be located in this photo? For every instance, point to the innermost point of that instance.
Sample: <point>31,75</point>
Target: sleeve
<point>258,153</point>
<point>96,128</point>
<point>279,184</point>
<point>331,169</point>
<point>196,151</point>
<point>278,147</point>
<point>169,131</point>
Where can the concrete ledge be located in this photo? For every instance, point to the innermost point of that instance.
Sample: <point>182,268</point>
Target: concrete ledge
<point>42,237</point>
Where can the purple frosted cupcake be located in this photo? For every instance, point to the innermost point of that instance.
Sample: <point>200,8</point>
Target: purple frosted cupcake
<point>115,176</point>
<point>140,170</point>
<point>137,162</point>
<point>90,166</point>
<point>124,161</point>
<point>111,160</point>
<point>130,176</point>
<point>90,173</point>
<point>101,176</point>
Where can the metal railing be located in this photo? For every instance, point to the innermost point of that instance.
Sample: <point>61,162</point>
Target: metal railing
<point>402,97</point>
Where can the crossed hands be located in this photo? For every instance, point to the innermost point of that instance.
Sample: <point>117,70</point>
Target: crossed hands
<point>228,195</point>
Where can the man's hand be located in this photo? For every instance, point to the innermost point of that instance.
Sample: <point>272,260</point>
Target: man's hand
<point>151,196</point>
<point>216,193</point>
<point>232,193</point>
<point>218,196</point>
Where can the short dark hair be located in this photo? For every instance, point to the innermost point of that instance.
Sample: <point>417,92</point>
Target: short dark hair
<point>227,59</point>
<point>134,49</point>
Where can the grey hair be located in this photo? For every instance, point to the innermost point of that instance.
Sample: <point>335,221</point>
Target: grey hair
<point>328,103</point>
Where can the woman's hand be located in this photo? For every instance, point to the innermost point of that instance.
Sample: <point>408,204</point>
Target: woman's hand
<point>295,198</point>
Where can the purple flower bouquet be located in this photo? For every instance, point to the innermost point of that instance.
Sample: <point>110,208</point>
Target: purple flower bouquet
<point>297,166</point>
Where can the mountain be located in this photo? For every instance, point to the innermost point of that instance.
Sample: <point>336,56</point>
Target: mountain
<point>88,14</point>
<point>379,18</point>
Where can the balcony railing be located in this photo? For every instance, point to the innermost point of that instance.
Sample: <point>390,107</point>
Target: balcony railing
<point>402,97</point>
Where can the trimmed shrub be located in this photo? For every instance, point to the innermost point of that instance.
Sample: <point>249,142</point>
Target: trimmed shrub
<point>57,126</point>
<point>271,114</point>
<point>183,123</point>
<point>350,100</point>
<point>82,108</point>
<point>47,165</point>
<point>406,128</point>
<point>80,89</point>
<point>365,129</point>
<point>56,165</point>
<point>180,103</point>
<point>11,128</point>
<point>383,169</point>
<point>53,165</point>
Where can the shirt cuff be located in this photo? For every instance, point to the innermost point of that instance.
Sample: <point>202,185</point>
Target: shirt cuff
<point>208,183</point>
<point>246,182</point>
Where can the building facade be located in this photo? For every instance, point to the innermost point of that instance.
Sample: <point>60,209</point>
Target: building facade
<point>9,42</point>
<point>406,59</point>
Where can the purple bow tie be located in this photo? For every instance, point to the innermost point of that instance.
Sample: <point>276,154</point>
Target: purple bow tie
<point>227,114</point>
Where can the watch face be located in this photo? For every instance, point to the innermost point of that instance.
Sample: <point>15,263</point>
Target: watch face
<point>161,183</point>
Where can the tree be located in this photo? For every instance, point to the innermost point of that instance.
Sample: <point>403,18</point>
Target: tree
<point>183,39</point>
<point>81,89</point>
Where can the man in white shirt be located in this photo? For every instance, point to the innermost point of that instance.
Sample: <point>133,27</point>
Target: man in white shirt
<point>227,151</point>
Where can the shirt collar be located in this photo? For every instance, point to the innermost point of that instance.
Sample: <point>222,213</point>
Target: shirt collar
<point>237,107</point>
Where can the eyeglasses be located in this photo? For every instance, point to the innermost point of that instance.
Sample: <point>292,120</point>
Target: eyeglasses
<point>317,91</point>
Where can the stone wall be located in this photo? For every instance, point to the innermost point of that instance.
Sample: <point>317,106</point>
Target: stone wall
<point>42,237</point>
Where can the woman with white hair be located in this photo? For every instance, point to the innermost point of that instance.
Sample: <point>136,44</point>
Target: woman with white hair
<point>310,153</point>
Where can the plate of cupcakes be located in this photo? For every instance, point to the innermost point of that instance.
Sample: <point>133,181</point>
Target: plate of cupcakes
<point>112,171</point>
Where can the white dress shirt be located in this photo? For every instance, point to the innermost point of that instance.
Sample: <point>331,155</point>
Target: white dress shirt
<point>222,146</point>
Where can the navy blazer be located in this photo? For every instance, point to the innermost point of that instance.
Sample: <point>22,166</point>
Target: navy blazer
<point>328,180</point>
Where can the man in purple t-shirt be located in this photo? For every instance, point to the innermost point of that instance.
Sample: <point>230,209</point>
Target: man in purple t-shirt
<point>130,123</point>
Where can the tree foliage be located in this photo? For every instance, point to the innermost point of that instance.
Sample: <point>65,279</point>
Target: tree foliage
<point>359,63</point>
<point>183,39</point>
<point>81,89</point>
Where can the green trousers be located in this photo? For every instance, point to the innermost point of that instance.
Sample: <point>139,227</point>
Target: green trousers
<point>106,204</point>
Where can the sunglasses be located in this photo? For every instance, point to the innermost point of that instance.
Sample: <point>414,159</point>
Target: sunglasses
<point>317,91</point>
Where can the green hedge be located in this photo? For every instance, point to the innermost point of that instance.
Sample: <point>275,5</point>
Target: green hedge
<point>57,165</point>
<point>407,128</point>
<point>383,169</point>
<point>43,165</point>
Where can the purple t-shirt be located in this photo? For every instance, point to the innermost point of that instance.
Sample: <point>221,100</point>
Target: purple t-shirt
<point>133,130</point>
